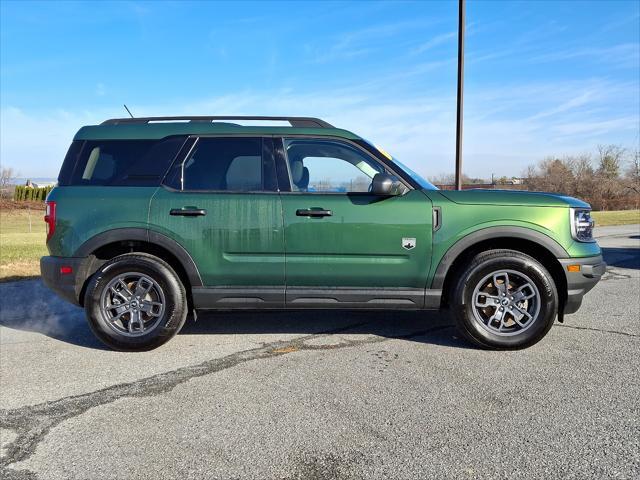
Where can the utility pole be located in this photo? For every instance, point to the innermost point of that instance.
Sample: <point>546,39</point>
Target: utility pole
<point>460,97</point>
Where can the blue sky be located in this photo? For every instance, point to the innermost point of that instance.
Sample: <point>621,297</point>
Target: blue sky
<point>542,77</point>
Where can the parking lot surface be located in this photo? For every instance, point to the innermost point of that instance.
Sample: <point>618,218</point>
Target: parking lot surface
<point>320,395</point>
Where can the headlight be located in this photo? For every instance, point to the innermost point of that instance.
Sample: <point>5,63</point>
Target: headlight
<point>581,225</point>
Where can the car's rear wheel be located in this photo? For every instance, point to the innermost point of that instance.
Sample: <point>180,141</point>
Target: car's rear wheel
<point>135,302</point>
<point>504,299</point>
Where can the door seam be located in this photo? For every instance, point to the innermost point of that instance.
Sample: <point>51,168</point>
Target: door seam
<point>284,246</point>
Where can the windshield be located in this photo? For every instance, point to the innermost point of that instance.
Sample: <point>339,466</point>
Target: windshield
<point>425,184</point>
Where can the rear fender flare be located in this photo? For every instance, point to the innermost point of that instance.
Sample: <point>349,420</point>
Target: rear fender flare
<point>143,235</point>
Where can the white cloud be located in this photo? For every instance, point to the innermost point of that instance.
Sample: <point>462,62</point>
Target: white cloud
<point>356,43</point>
<point>434,42</point>
<point>506,127</point>
<point>626,55</point>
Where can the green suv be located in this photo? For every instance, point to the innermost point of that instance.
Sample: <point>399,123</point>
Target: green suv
<point>153,218</point>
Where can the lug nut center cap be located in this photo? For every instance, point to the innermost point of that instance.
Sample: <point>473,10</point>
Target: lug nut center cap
<point>505,302</point>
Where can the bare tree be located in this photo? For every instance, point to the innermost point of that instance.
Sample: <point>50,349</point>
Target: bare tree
<point>552,175</point>
<point>632,177</point>
<point>610,159</point>
<point>7,175</point>
<point>597,180</point>
<point>585,177</point>
<point>609,186</point>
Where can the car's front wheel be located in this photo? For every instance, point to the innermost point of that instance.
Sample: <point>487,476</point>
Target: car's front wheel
<point>504,299</point>
<point>135,302</point>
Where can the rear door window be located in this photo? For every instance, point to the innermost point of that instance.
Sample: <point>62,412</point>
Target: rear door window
<point>236,164</point>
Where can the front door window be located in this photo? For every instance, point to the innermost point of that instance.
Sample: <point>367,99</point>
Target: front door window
<point>327,166</point>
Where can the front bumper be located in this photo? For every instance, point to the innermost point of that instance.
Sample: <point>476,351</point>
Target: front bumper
<point>67,285</point>
<point>579,283</point>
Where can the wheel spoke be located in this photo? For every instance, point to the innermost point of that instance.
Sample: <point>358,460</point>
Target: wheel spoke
<point>498,315</point>
<point>119,308</point>
<point>125,292</point>
<point>489,300</point>
<point>147,307</point>
<point>119,293</point>
<point>504,286</point>
<point>521,293</point>
<point>501,324</point>
<point>142,291</point>
<point>522,325</point>
<point>131,322</point>
<point>518,314</point>
<point>117,317</point>
<point>136,318</point>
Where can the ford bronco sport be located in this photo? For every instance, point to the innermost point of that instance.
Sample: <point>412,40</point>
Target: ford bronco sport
<point>153,218</point>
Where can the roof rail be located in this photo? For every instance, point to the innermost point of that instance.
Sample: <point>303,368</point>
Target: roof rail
<point>301,122</point>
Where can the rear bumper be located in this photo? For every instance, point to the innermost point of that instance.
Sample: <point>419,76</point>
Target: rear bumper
<point>67,285</point>
<point>579,283</point>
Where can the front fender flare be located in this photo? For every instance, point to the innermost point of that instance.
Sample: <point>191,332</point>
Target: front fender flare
<point>486,234</point>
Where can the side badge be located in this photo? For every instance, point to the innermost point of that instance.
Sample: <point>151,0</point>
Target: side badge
<point>408,243</point>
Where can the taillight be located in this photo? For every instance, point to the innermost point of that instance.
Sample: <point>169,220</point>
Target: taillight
<point>50,218</point>
<point>66,270</point>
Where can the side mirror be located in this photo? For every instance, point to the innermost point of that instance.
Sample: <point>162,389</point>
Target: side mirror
<point>385,184</point>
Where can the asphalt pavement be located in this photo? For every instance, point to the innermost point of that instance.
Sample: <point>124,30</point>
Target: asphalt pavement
<point>325,395</point>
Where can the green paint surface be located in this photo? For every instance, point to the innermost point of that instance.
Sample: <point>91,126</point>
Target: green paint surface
<point>257,239</point>
<point>239,241</point>
<point>361,243</point>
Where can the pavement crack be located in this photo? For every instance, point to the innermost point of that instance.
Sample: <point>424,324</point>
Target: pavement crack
<point>616,332</point>
<point>33,422</point>
<point>614,275</point>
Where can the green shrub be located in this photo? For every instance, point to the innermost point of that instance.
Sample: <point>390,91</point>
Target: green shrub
<point>23,193</point>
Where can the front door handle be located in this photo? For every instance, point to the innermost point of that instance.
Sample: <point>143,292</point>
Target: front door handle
<point>313,212</point>
<point>188,212</point>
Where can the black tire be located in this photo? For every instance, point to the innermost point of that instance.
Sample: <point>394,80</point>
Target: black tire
<point>476,325</point>
<point>166,323</point>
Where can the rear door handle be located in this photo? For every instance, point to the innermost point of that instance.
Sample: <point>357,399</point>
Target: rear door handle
<point>188,212</point>
<point>313,212</point>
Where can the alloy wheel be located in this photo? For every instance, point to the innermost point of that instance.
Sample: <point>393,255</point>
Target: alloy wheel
<point>132,304</point>
<point>506,302</point>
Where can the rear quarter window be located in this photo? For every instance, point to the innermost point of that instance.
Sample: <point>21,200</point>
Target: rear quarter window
<point>119,162</point>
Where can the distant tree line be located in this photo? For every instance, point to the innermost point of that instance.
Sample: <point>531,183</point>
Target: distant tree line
<point>450,179</point>
<point>35,194</point>
<point>608,180</point>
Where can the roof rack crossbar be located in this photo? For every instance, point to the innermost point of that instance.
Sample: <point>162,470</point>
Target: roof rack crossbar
<point>301,122</point>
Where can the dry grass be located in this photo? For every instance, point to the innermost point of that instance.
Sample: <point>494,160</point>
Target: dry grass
<point>8,205</point>
<point>22,243</point>
<point>19,270</point>
<point>616,217</point>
